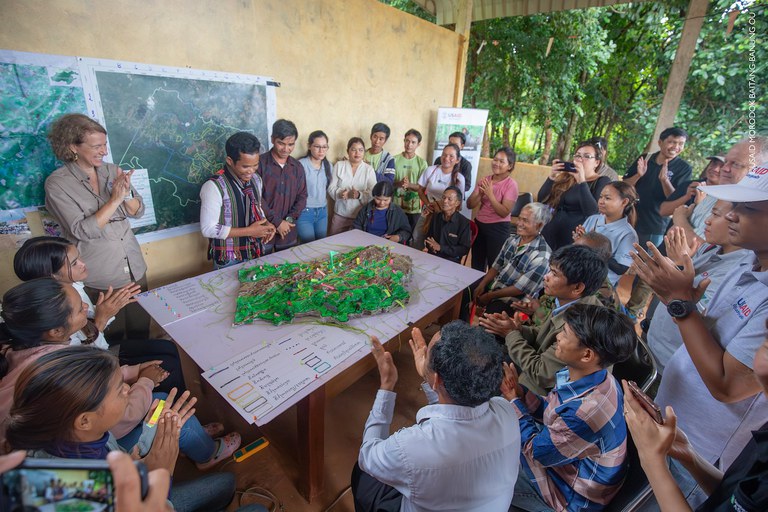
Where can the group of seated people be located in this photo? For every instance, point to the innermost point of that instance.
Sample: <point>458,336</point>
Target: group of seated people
<point>523,411</point>
<point>548,354</point>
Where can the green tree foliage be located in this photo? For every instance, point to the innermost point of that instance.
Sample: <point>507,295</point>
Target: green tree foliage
<point>624,99</point>
<point>606,73</point>
<point>510,73</point>
<point>410,7</point>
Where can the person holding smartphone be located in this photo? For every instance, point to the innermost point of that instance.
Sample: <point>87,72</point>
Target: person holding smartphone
<point>743,486</point>
<point>84,397</point>
<point>572,192</point>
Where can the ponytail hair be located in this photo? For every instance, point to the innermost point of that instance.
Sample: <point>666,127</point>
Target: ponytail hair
<point>42,256</point>
<point>29,311</point>
<point>53,391</point>
<point>628,192</point>
<point>456,167</point>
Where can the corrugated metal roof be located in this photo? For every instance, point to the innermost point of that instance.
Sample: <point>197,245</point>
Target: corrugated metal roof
<point>445,10</point>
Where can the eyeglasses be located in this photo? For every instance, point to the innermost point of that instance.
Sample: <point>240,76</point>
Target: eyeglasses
<point>320,148</point>
<point>735,166</point>
<point>584,156</point>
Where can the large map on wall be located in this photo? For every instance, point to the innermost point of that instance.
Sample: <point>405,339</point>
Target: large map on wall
<point>34,90</point>
<point>173,122</point>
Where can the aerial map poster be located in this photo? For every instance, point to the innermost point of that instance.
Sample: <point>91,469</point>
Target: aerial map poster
<point>170,121</point>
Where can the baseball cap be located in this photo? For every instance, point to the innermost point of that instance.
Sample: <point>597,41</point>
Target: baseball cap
<point>717,157</point>
<point>752,187</point>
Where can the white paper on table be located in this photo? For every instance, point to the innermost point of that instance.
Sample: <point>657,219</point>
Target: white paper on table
<point>260,379</point>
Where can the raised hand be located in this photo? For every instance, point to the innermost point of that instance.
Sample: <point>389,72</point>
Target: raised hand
<point>663,171</point>
<point>642,166</point>
<point>110,302</point>
<point>677,245</point>
<point>499,324</point>
<point>419,348</point>
<point>128,486</point>
<point>666,280</point>
<point>387,369</point>
<point>183,406</point>
<point>578,232</point>
<point>510,387</point>
<point>165,446</point>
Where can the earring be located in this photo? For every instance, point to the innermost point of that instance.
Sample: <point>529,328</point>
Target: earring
<point>75,160</point>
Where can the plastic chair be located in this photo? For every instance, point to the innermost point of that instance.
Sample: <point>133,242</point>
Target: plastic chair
<point>472,238</point>
<point>640,367</point>
<point>522,200</point>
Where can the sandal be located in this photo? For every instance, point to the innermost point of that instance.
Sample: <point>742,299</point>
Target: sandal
<point>226,447</point>
<point>214,430</point>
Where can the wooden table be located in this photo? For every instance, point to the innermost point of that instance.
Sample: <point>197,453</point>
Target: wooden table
<point>198,313</point>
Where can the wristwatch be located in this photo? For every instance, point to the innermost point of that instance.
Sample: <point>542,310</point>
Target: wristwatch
<point>680,308</point>
<point>289,219</point>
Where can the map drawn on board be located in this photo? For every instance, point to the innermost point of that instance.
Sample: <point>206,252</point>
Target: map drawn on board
<point>171,121</point>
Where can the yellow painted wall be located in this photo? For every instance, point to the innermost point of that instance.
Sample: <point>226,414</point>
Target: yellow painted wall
<point>343,65</point>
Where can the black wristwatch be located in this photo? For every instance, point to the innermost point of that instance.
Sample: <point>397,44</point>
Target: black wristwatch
<point>680,308</point>
<point>289,219</point>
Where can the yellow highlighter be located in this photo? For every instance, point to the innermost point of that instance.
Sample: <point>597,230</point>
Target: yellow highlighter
<point>246,451</point>
<point>156,415</point>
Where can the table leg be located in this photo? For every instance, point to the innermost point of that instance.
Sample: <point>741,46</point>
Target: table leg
<point>311,433</point>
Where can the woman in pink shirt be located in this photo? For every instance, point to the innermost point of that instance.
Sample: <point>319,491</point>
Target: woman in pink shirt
<point>496,195</point>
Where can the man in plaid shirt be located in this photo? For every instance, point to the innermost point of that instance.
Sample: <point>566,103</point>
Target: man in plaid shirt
<point>521,264</point>
<point>574,440</point>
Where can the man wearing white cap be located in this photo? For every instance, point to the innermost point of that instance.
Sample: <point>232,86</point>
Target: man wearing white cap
<point>732,169</point>
<point>709,380</point>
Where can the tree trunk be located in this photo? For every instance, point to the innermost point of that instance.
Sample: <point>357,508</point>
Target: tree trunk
<point>486,150</point>
<point>537,142</point>
<point>567,139</point>
<point>505,132</point>
<point>564,151</point>
<point>560,146</point>
<point>544,160</point>
<point>517,131</point>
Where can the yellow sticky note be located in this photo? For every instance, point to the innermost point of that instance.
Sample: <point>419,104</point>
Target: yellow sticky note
<point>156,415</point>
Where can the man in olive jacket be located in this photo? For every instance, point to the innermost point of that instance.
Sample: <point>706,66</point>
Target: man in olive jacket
<point>575,274</point>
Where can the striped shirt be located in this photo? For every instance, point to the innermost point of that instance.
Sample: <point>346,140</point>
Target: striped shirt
<point>575,441</point>
<point>522,266</point>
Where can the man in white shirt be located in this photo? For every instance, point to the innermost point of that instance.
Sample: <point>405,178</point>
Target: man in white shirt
<point>463,452</point>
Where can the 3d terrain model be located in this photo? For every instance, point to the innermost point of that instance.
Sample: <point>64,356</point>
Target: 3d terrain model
<point>363,281</point>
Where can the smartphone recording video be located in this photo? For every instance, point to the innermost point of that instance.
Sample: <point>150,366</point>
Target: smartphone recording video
<point>569,167</point>
<point>58,485</point>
